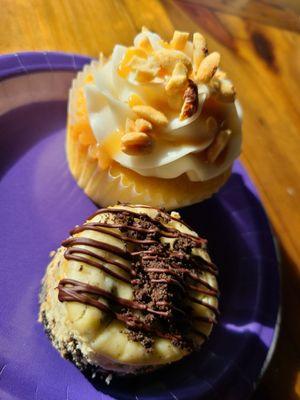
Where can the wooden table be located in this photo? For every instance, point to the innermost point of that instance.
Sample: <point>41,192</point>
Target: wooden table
<point>260,46</point>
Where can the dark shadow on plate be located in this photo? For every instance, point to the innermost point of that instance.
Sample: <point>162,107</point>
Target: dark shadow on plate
<point>280,380</point>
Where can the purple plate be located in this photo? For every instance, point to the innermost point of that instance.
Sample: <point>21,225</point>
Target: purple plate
<point>40,202</point>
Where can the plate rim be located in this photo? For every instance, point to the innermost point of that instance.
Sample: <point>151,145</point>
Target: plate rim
<point>24,62</point>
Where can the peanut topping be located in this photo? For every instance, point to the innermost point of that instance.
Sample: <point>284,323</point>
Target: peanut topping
<point>164,44</point>
<point>142,125</point>
<point>167,59</point>
<point>226,91</point>
<point>190,101</point>
<point>208,67</point>
<point>136,143</point>
<point>135,100</point>
<point>144,68</point>
<point>151,114</point>
<point>129,125</point>
<point>175,214</point>
<point>172,66</point>
<point>145,45</point>
<point>124,68</point>
<point>220,74</point>
<point>199,50</point>
<point>179,40</point>
<point>223,87</point>
<point>178,79</point>
<point>136,61</point>
<point>144,74</point>
<point>218,145</point>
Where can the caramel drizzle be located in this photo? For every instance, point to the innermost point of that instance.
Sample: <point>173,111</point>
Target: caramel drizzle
<point>71,290</point>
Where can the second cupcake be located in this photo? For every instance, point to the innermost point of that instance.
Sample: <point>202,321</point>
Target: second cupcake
<point>156,123</point>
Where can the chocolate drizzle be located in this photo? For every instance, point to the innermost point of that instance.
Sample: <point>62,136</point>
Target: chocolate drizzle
<point>163,277</point>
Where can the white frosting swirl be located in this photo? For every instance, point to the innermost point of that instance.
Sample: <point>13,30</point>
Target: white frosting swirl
<point>178,146</point>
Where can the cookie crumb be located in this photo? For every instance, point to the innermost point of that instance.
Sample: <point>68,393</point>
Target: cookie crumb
<point>108,379</point>
<point>175,214</point>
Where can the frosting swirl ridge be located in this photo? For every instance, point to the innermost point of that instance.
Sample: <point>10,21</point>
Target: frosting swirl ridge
<point>193,123</point>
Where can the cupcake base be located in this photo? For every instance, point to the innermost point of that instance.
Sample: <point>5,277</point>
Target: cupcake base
<point>116,183</point>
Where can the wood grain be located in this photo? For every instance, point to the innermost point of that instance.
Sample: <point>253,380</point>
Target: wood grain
<point>260,46</point>
<point>280,13</point>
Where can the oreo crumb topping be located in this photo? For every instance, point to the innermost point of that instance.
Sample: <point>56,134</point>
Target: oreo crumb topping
<point>152,286</point>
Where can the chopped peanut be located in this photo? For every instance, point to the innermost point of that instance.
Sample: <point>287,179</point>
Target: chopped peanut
<point>136,61</point>
<point>135,100</point>
<point>208,67</point>
<point>199,50</point>
<point>135,143</point>
<point>218,145</point>
<point>131,52</point>
<point>215,84</point>
<point>191,102</point>
<point>226,91</point>
<point>165,44</point>
<point>175,214</point>
<point>145,45</point>
<point>145,75</point>
<point>142,125</point>
<point>145,70</point>
<point>178,79</point>
<point>151,114</point>
<point>130,125</point>
<point>220,74</point>
<point>179,40</point>
<point>167,59</point>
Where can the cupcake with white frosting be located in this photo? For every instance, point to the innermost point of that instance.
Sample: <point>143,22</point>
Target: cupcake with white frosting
<point>156,123</point>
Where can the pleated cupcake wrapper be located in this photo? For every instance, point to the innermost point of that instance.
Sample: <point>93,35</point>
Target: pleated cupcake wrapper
<point>106,187</point>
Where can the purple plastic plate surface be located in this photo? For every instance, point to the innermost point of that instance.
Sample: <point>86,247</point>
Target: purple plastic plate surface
<point>40,202</point>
